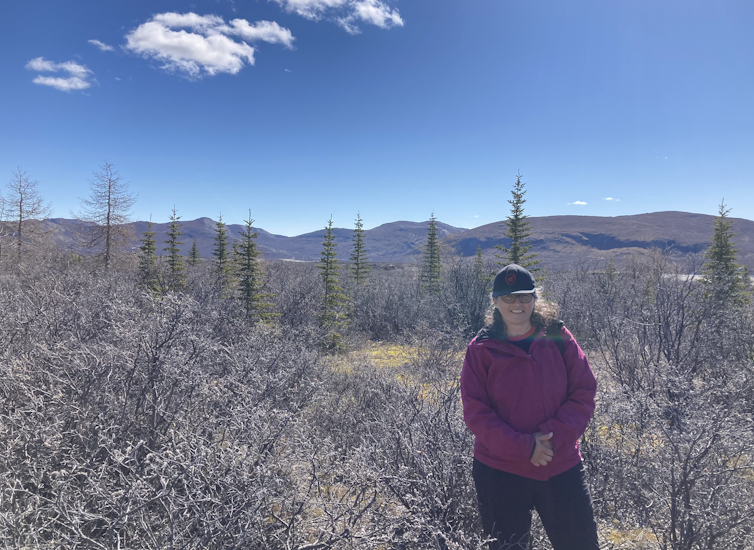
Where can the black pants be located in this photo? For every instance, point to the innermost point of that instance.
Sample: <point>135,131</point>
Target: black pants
<point>562,502</point>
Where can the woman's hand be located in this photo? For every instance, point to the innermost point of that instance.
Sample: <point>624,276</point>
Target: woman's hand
<point>543,452</point>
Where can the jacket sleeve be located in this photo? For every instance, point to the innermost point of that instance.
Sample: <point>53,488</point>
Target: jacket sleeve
<point>490,430</point>
<point>573,416</point>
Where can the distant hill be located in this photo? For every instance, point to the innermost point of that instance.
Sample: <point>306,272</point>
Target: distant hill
<point>559,240</point>
<point>391,242</point>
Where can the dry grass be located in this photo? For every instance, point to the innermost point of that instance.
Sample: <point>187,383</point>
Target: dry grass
<point>635,539</point>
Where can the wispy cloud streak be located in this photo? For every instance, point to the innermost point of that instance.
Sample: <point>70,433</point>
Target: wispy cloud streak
<point>346,13</point>
<point>77,79</point>
<point>102,46</point>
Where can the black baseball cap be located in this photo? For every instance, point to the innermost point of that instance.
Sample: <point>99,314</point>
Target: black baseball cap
<point>513,279</point>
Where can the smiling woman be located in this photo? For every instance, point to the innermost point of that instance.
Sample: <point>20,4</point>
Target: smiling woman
<point>528,395</point>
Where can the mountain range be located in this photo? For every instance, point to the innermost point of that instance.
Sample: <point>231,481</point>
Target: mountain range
<point>558,240</point>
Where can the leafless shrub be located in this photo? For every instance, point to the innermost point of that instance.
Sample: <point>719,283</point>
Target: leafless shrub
<point>670,450</point>
<point>130,420</point>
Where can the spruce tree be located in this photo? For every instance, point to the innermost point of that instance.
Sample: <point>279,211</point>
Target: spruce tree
<point>250,276</point>
<point>478,259</point>
<point>724,279</point>
<point>518,231</point>
<point>479,268</point>
<point>359,266</point>
<point>235,253</point>
<point>220,256</point>
<point>194,256</point>
<point>176,279</point>
<point>148,261</point>
<point>431,262</point>
<point>333,315</point>
<point>747,279</point>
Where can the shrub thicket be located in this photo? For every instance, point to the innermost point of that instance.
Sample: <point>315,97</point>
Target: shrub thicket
<point>135,419</point>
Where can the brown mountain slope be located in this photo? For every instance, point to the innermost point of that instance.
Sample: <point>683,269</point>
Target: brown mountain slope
<point>561,240</point>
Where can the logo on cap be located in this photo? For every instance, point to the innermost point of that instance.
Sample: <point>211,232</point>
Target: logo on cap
<point>510,278</point>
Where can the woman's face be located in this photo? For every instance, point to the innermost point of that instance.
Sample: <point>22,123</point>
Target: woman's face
<point>516,314</point>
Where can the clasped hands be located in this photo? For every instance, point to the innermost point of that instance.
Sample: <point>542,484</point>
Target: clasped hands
<point>543,451</point>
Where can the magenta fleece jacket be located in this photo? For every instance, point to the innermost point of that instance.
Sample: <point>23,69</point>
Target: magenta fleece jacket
<point>508,395</point>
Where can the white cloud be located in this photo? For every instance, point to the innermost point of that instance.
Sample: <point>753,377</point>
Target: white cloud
<point>579,203</point>
<point>78,78</point>
<point>191,53</point>
<point>312,9</point>
<point>267,31</point>
<point>102,46</point>
<point>612,199</point>
<point>377,13</point>
<point>62,84</point>
<point>207,50</point>
<point>41,64</point>
<point>346,13</point>
<point>189,20</point>
<point>74,68</point>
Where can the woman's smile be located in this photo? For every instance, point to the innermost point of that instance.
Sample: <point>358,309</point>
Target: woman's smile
<point>517,316</point>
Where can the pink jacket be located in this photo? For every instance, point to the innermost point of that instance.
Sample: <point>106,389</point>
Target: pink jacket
<point>508,395</point>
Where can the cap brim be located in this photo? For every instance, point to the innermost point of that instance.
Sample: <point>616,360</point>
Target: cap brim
<point>506,293</point>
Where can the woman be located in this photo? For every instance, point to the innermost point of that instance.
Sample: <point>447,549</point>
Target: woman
<point>528,394</point>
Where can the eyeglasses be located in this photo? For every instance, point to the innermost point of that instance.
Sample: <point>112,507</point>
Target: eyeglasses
<point>523,298</point>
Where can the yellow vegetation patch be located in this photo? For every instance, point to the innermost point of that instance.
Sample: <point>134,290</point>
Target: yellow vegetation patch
<point>388,355</point>
<point>632,538</point>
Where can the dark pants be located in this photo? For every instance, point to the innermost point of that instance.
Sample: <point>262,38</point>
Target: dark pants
<point>562,502</point>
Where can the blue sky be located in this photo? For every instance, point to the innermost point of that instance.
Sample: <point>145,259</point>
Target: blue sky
<point>390,108</point>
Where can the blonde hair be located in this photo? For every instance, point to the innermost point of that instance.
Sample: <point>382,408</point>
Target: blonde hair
<point>545,313</point>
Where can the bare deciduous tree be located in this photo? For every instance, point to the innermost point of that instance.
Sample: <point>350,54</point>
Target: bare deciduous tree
<point>23,203</point>
<point>107,213</point>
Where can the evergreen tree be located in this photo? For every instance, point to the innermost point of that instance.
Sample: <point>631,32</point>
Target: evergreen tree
<point>481,269</point>
<point>479,260</point>
<point>333,315</point>
<point>250,276</point>
<point>518,231</point>
<point>359,266</point>
<point>176,278</point>
<point>724,279</point>
<point>235,253</point>
<point>148,261</point>
<point>194,256</point>
<point>431,263</point>
<point>220,255</point>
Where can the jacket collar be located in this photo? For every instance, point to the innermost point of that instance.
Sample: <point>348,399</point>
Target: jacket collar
<point>488,332</point>
<point>488,336</point>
